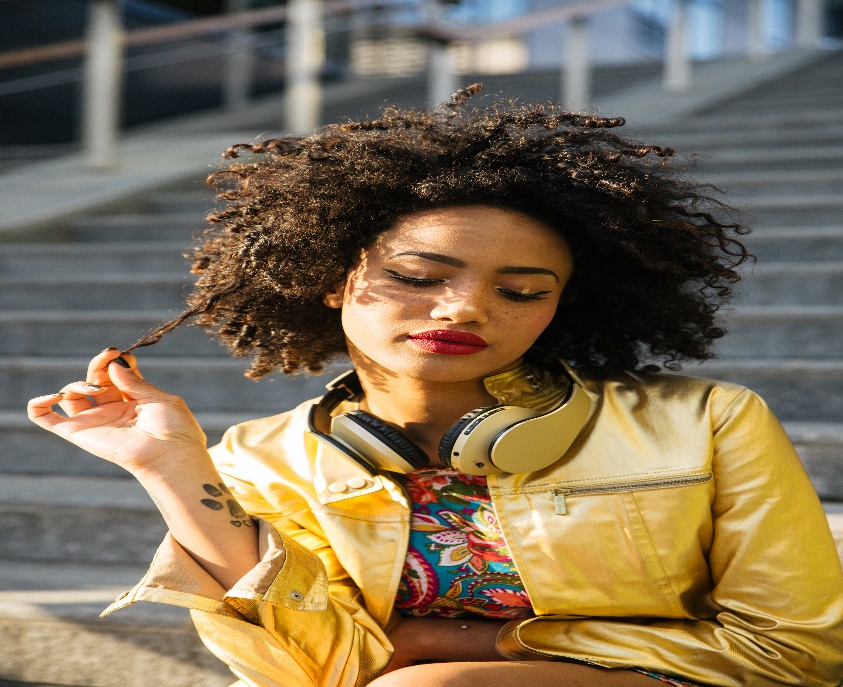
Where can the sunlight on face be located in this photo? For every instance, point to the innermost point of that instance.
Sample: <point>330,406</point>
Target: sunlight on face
<point>453,294</point>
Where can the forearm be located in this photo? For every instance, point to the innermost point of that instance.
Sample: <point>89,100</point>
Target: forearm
<point>203,517</point>
<point>425,640</point>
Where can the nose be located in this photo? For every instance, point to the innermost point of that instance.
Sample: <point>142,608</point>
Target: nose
<point>461,307</point>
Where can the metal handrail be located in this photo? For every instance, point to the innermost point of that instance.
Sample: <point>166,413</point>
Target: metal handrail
<point>192,28</point>
<point>253,18</point>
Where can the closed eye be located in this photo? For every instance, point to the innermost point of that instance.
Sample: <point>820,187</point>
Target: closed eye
<point>420,282</point>
<point>520,296</point>
<point>413,281</point>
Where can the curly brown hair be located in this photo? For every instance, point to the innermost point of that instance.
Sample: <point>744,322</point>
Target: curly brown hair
<point>655,254</point>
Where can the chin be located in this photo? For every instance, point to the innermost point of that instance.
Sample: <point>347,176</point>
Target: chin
<point>449,369</point>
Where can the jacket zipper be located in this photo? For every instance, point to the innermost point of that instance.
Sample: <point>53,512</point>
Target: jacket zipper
<point>560,495</point>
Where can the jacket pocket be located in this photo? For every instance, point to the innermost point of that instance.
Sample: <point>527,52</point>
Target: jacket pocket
<point>561,496</point>
<point>599,557</point>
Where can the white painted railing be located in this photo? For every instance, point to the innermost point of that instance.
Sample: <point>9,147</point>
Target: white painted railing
<point>105,44</point>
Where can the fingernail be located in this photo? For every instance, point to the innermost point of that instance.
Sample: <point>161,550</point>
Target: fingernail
<point>59,393</point>
<point>122,363</point>
<point>110,348</point>
<point>93,387</point>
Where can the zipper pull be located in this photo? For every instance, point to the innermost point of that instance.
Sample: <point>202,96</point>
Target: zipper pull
<point>559,502</point>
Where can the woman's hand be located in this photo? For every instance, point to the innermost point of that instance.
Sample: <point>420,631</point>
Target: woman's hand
<point>117,415</point>
<point>442,640</point>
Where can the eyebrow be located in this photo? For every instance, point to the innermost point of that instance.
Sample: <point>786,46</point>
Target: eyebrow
<point>456,262</point>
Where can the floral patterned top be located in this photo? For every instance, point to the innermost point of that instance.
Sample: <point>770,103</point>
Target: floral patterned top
<point>458,564</point>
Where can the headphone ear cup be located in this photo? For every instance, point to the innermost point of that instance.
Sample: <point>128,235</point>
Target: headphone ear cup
<point>446,445</point>
<point>390,436</point>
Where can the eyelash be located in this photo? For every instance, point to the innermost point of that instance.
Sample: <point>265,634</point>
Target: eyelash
<point>506,293</point>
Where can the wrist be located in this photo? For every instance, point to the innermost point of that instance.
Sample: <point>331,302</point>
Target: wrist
<point>176,467</point>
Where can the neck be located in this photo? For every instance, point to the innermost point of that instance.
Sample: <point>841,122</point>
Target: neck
<point>421,410</point>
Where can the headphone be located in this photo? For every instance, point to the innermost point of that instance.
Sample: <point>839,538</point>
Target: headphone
<point>486,441</point>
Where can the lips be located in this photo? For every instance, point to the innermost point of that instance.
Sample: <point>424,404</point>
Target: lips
<point>450,335</point>
<point>448,342</point>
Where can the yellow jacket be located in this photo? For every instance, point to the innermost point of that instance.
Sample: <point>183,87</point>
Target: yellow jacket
<point>679,534</point>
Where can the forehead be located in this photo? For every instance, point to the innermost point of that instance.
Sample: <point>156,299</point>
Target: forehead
<point>473,226</point>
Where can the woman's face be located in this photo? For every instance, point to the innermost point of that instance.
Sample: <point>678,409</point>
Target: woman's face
<point>453,294</point>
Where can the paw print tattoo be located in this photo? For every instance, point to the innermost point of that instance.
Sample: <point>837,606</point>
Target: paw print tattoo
<point>241,517</point>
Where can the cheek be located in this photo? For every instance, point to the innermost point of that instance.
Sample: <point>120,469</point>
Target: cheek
<point>532,324</point>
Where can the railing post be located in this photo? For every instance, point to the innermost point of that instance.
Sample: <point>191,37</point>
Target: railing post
<point>240,61</point>
<point>809,23</point>
<point>305,60</point>
<point>677,63</point>
<point>102,85</point>
<point>756,45</point>
<point>576,73</point>
<point>441,73</point>
<point>441,67</point>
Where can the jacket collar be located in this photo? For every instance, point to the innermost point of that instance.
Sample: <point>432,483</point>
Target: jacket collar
<point>526,385</point>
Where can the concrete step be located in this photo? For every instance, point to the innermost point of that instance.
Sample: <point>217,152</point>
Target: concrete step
<point>77,519</point>
<point>789,158</point>
<point>72,259</point>
<point>749,138</point>
<point>796,243</point>
<point>765,182</point>
<point>179,227</point>
<point>52,634</point>
<point>86,332</point>
<point>797,390</point>
<point>200,200</point>
<point>26,449</point>
<point>720,118</point>
<point>793,100</point>
<point>781,100</point>
<point>820,448</point>
<point>777,331</point>
<point>798,283</point>
<point>809,210</point>
<point>147,291</point>
<point>209,384</point>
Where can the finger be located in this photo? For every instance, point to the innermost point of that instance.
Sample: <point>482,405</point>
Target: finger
<point>98,367</point>
<point>132,386</point>
<point>79,396</point>
<point>132,362</point>
<point>40,411</point>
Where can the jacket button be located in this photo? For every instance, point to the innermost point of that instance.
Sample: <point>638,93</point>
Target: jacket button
<point>357,482</point>
<point>296,596</point>
<point>337,487</point>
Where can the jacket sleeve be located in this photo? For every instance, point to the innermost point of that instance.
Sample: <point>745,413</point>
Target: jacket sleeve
<point>777,580</point>
<point>295,620</point>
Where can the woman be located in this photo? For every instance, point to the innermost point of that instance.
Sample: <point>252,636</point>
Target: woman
<point>506,489</point>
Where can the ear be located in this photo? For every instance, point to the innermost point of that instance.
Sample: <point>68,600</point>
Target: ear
<point>334,299</point>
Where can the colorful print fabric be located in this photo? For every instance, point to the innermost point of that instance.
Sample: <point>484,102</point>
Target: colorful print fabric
<point>458,564</point>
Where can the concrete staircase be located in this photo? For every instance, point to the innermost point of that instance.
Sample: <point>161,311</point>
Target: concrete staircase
<point>77,530</point>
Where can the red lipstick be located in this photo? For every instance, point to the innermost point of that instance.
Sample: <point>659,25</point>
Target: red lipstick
<point>448,342</point>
